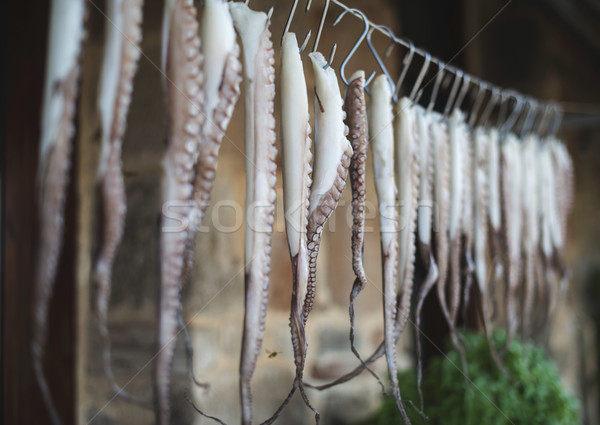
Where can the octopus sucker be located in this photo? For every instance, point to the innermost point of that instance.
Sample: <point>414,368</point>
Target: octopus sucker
<point>356,120</point>
<point>183,58</point>
<point>512,213</point>
<point>296,159</point>
<point>66,34</point>
<point>458,139</point>
<point>121,54</point>
<point>260,151</point>
<point>425,226</point>
<point>333,152</point>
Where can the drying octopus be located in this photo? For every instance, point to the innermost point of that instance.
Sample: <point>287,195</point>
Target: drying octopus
<point>333,152</point>
<point>356,121</point>
<point>201,96</point>
<point>425,223</point>
<point>183,64</point>
<point>530,227</point>
<point>457,134</point>
<point>121,54</point>
<point>57,132</point>
<point>513,225</point>
<point>260,151</point>
<point>296,159</point>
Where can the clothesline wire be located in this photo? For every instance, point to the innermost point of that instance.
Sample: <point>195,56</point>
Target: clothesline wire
<point>504,94</point>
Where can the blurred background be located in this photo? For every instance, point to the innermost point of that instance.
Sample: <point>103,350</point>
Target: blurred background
<point>547,48</point>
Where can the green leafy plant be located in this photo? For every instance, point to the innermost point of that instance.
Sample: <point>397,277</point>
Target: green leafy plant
<point>533,394</point>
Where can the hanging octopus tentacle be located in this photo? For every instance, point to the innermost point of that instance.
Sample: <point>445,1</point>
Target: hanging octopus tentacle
<point>121,56</point>
<point>457,137</point>
<point>185,101</point>
<point>356,120</point>
<point>482,144</point>
<point>468,222</point>
<point>529,187</point>
<point>222,78</point>
<point>512,206</point>
<point>57,132</point>
<point>260,151</point>
<point>424,228</point>
<point>495,217</point>
<point>296,159</point>
<point>332,152</point>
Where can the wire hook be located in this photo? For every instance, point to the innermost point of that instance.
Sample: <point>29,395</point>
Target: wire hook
<point>557,121</point>
<point>420,77</point>
<point>466,84</point>
<point>514,115</point>
<point>356,44</point>
<point>492,102</point>
<point>436,85</point>
<point>406,61</point>
<point>529,118</point>
<point>321,23</point>
<point>457,79</point>
<point>376,55</point>
<point>482,88</point>
<point>288,23</point>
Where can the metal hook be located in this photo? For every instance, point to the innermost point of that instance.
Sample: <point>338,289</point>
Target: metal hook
<point>457,79</point>
<point>305,42</point>
<point>544,120</point>
<point>376,55</point>
<point>356,45</point>
<point>558,117</point>
<point>436,85</point>
<point>514,115</point>
<point>492,102</point>
<point>288,23</point>
<point>482,88</point>
<point>331,55</point>
<point>321,24</point>
<point>420,77</point>
<point>529,117</point>
<point>466,81</point>
<point>407,61</point>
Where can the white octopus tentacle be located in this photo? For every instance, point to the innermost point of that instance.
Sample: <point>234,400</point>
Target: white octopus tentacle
<point>457,136</point>
<point>222,78</point>
<point>425,227</point>
<point>467,221</point>
<point>332,159</point>
<point>529,189</point>
<point>356,119</point>
<point>407,165</point>
<point>494,213</point>
<point>380,117</point>
<point>121,55</point>
<point>483,143</point>
<point>183,70</point>
<point>260,150</point>
<point>512,206</point>
<point>296,161</point>
<point>442,202</point>
<point>65,40</point>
